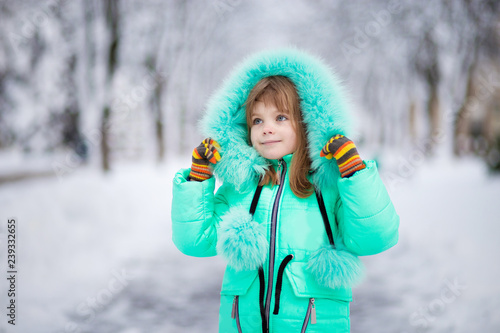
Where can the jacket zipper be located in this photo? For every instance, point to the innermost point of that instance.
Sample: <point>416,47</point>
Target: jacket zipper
<point>272,247</point>
<point>235,313</point>
<point>311,313</point>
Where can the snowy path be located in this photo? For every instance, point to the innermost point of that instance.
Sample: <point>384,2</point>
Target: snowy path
<point>96,256</point>
<point>443,276</point>
<point>166,295</point>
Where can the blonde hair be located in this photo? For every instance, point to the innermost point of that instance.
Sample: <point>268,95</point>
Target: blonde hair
<point>281,92</point>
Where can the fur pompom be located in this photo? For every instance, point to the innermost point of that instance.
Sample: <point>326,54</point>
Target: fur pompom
<point>335,268</point>
<point>242,241</point>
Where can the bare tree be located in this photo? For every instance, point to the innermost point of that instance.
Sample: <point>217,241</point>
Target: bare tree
<point>161,62</point>
<point>427,66</point>
<point>112,22</point>
<point>481,45</point>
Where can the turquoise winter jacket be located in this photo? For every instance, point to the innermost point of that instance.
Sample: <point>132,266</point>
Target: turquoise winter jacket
<point>282,273</point>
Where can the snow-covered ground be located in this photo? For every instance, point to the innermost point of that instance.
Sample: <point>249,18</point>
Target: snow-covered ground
<point>95,255</point>
<point>443,276</point>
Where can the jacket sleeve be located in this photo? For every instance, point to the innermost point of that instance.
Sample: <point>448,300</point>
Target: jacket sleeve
<point>194,218</point>
<point>367,219</point>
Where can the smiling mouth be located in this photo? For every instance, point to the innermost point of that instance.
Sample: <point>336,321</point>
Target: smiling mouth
<point>270,142</point>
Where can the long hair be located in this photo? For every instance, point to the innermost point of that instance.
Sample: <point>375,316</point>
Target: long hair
<point>281,92</point>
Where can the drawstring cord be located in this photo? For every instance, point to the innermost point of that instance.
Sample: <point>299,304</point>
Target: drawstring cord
<point>279,283</point>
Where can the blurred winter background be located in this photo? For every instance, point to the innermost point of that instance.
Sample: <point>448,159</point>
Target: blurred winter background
<point>98,108</point>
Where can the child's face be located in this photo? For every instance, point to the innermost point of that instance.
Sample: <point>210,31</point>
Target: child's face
<point>272,132</point>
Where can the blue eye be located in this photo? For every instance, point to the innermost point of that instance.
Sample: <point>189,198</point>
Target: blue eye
<point>257,121</point>
<point>281,118</point>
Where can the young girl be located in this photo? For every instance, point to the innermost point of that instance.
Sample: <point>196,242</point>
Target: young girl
<point>297,204</point>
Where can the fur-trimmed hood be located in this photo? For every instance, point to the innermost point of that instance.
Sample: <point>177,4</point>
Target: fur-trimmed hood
<point>323,104</point>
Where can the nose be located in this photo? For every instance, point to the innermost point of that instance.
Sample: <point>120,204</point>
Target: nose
<point>268,130</point>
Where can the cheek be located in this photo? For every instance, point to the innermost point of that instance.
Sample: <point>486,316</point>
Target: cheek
<point>293,136</point>
<point>252,137</point>
<point>294,141</point>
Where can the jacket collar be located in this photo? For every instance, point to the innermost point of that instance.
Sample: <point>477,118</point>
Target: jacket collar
<point>287,159</point>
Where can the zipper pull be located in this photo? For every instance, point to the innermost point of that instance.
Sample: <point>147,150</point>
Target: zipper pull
<point>280,169</point>
<point>233,312</point>
<point>313,312</point>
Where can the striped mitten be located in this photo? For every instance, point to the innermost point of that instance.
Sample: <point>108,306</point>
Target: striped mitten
<point>345,153</point>
<point>203,155</point>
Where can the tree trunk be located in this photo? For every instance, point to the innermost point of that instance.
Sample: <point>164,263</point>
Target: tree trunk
<point>159,119</point>
<point>111,7</point>
<point>462,119</point>
<point>413,122</point>
<point>105,139</point>
<point>433,110</point>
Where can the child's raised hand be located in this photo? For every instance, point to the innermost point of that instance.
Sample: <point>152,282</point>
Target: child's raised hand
<point>346,154</point>
<point>203,155</point>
